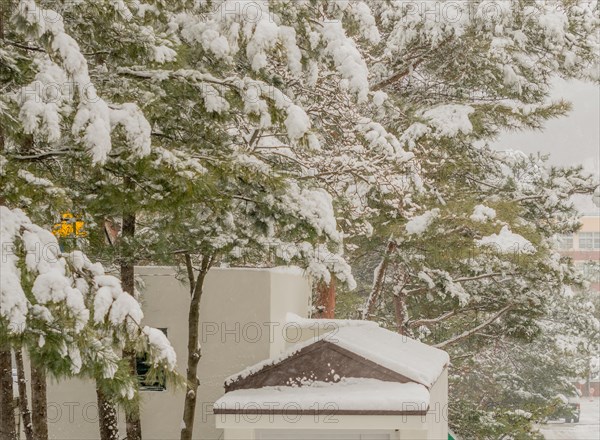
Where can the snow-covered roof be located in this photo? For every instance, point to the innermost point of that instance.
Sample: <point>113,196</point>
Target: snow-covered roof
<point>325,324</point>
<point>412,359</point>
<point>416,361</point>
<point>347,395</point>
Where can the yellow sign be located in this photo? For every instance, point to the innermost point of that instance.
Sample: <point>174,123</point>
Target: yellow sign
<point>69,227</point>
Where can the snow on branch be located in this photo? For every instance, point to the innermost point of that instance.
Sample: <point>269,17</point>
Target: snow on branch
<point>44,291</point>
<point>63,71</point>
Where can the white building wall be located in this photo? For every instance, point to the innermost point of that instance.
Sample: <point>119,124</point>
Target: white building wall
<point>242,311</point>
<point>322,427</point>
<point>437,416</point>
<point>286,298</point>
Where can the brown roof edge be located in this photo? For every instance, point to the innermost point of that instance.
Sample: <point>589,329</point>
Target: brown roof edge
<point>319,412</point>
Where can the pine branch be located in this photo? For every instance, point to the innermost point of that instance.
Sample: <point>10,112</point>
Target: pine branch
<point>474,330</point>
<point>479,277</point>
<point>43,155</point>
<point>24,46</point>
<point>400,75</point>
<point>420,322</point>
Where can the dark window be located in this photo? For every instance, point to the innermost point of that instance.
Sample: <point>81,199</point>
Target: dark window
<point>147,381</point>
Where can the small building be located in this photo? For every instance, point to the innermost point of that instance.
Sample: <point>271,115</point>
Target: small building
<point>352,380</point>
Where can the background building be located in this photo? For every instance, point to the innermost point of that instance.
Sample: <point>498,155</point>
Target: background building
<point>584,248</point>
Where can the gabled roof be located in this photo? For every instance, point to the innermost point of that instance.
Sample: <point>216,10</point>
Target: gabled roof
<point>367,351</point>
<point>418,362</point>
<point>359,367</point>
<point>325,324</point>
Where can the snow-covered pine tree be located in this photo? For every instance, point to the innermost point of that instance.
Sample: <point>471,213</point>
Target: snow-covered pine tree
<point>462,278</point>
<point>71,317</point>
<point>255,106</point>
<point>225,120</point>
<point>254,204</point>
<point>475,260</point>
<point>54,110</point>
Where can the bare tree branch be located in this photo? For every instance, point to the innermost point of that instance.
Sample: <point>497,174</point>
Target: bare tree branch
<point>420,322</point>
<point>468,333</point>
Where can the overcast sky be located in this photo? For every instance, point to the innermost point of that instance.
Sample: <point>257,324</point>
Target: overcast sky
<point>571,140</point>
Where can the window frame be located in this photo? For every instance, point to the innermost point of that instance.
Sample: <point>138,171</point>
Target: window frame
<point>566,241</point>
<point>586,240</point>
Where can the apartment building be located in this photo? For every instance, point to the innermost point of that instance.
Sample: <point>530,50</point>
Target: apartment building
<point>584,248</point>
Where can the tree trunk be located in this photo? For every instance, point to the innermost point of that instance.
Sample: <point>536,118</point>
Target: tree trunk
<point>23,399</point>
<point>107,416</point>
<point>400,312</point>
<point>378,281</point>
<point>39,403</point>
<point>132,417</point>
<point>133,423</point>
<point>194,349</point>
<point>2,198</point>
<point>7,413</point>
<point>326,300</point>
<point>4,14</point>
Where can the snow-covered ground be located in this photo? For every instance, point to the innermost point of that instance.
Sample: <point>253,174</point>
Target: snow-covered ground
<point>588,427</point>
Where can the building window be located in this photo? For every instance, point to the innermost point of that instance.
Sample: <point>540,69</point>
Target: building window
<point>589,240</point>
<point>565,241</point>
<point>147,380</point>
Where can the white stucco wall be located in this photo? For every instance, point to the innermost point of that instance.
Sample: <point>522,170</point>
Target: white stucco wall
<point>239,307</point>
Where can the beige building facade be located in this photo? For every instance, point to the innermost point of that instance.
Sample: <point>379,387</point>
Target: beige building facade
<point>243,312</point>
<point>584,248</point>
